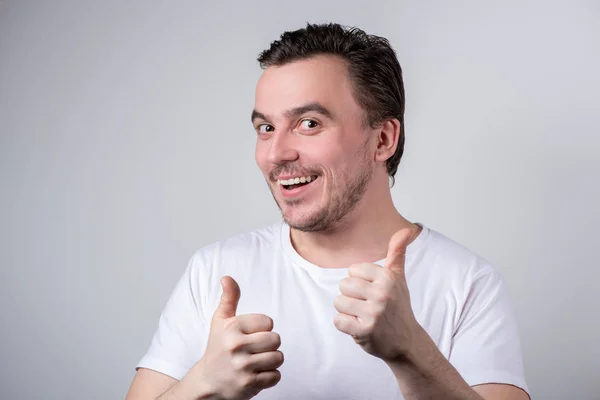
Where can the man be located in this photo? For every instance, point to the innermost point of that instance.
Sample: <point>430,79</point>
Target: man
<point>360,302</point>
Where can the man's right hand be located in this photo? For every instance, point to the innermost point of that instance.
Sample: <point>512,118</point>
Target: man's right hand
<point>241,357</point>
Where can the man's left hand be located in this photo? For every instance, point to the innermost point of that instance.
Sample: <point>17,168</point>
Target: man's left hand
<point>374,306</point>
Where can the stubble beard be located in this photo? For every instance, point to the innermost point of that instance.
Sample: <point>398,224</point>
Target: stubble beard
<point>343,201</point>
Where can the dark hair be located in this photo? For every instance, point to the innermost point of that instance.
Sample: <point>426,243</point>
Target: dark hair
<point>372,65</point>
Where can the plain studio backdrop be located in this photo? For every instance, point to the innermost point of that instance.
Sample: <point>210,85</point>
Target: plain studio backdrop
<point>126,144</point>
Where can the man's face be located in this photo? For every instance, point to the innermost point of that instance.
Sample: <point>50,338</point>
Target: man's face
<point>310,129</point>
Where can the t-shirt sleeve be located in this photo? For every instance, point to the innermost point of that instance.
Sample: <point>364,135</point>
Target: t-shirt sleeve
<point>486,346</point>
<point>180,338</point>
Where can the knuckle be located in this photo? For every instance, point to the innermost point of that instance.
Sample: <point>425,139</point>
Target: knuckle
<point>275,360</point>
<point>275,339</point>
<point>338,300</point>
<point>338,321</point>
<point>279,358</point>
<point>272,378</point>
<point>268,321</point>
<point>239,363</point>
<point>276,377</point>
<point>249,380</point>
<point>346,283</point>
<point>232,343</point>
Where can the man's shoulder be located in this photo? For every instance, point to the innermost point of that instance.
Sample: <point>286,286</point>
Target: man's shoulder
<point>257,239</point>
<point>453,256</point>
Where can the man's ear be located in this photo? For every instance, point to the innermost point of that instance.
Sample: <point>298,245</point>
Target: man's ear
<point>388,135</point>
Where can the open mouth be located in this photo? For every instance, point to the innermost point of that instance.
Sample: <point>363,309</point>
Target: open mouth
<point>291,184</point>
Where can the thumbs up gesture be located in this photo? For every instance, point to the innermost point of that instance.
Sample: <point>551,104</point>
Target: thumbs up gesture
<point>241,357</point>
<point>374,305</point>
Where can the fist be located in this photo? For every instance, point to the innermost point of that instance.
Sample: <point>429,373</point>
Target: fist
<point>374,305</point>
<point>241,357</point>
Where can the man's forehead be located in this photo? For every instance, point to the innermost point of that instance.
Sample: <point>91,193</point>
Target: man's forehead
<point>313,81</point>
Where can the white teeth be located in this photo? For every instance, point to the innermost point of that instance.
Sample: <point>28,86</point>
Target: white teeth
<point>295,181</point>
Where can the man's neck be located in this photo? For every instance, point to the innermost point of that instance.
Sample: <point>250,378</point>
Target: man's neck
<point>363,236</point>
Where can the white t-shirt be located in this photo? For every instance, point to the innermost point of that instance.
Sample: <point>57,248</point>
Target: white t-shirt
<point>458,298</point>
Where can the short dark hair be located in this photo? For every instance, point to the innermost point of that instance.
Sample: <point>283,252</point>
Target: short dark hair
<point>372,65</point>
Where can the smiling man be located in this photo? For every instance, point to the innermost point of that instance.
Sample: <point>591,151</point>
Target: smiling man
<point>344,298</point>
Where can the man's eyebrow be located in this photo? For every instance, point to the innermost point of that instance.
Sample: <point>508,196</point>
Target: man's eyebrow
<point>298,111</point>
<point>310,107</point>
<point>256,114</point>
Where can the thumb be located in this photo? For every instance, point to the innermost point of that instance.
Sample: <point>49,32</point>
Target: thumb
<point>229,298</point>
<point>396,255</point>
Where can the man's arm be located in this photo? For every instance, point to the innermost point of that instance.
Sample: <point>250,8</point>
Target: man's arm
<point>424,373</point>
<point>375,309</point>
<point>493,391</point>
<point>151,385</point>
<point>148,384</point>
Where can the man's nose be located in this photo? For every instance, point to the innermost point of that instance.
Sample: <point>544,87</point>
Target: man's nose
<point>282,148</point>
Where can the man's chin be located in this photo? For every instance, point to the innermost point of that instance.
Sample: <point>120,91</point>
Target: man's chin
<point>303,227</point>
<point>295,222</point>
<point>307,223</point>
<point>303,217</point>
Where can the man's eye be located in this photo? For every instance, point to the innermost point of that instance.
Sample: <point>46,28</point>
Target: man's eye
<point>309,124</point>
<point>265,128</point>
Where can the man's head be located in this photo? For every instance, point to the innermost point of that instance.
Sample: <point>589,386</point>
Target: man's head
<point>330,106</point>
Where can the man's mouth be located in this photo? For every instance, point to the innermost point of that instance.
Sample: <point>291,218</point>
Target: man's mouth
<point>292,183</point>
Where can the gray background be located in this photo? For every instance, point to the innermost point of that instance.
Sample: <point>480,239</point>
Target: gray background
<point>126,145</point>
